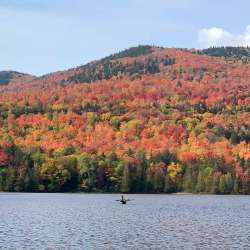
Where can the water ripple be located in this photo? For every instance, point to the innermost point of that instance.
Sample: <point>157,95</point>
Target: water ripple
<point>97,221</point>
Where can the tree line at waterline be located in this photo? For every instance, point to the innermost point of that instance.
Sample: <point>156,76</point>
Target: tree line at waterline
<point>161,173</point>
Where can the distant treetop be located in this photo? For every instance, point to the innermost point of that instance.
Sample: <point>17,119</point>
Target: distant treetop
<point>235,53</point>
<point>132,52</point>
<point>112,66</point>
<point>7,76</point>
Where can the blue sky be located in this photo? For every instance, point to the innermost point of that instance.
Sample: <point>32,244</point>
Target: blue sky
<point>41,36</point>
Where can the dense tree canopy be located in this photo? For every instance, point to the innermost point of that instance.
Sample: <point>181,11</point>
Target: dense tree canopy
<point>240,54</point>
<point>181,123</point>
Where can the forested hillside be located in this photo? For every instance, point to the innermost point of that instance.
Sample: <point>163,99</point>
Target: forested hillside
<point>147,119</point>
<point>233,54</point>
<point>9,76</point>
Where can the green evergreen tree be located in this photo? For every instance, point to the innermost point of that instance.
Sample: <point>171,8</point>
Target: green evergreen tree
<point>188,181</point>
<point>158,182</point>
<point>229,183</point>
<point>125,188</point>
<point>167,185</point>
<point>222,185</point>
<point>236,185</point>
<point>200,186</point>
<point>149,180</point>
<point>140,180</point>
<point>215,184</point>
<point>247,188</point>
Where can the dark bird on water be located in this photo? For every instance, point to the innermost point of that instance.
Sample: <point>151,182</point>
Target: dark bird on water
<point>123,200</point>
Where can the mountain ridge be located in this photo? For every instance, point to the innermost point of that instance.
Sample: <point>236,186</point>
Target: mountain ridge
<point>8,76</point>
<point>112,65</point>
<point>164,120</point>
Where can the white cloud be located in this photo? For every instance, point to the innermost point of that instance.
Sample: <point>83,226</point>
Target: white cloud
<point>219,37</point>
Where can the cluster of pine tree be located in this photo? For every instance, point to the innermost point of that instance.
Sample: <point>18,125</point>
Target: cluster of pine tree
<point>68,170</point>
<point>107,69</point>
<point>229,52</point>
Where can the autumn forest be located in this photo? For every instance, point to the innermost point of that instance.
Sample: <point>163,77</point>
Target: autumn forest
<point>147,119</point>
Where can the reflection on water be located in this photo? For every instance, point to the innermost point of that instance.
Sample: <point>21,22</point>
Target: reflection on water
<point>98,221</point>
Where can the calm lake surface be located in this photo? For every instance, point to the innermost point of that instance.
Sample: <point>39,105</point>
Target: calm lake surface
<point>98,221</point>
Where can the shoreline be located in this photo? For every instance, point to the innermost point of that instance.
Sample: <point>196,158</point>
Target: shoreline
<point>80,192</point>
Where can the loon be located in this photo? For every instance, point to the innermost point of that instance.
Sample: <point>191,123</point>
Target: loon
<point>123,200</point>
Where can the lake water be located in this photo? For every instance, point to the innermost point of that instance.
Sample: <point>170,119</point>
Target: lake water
<point>98,221</point>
